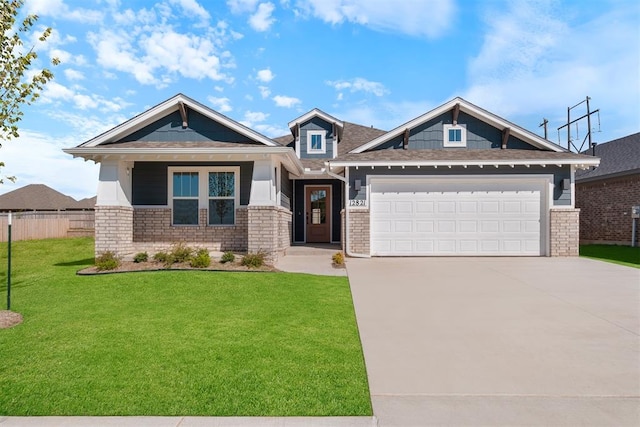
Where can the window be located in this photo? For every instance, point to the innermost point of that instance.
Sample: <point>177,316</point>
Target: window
<point>455,135</point>
<point>316,142</point>
<point>222,195</point>
<point>210,188</point>
<point>185,198</point>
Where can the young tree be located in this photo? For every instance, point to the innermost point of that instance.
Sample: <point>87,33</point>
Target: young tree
<point>18,86</point>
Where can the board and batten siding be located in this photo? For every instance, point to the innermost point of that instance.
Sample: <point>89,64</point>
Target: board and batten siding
<point>560,197</point>
<point>200,129</point>
<point>286,189</point>
<point>150,180</point>
<point>430,135</point>
<point>316,123</point>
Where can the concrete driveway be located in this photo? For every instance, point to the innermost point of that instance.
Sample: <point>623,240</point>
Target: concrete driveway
<point>499,341</point>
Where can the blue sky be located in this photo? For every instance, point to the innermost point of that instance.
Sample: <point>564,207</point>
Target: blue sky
<point>372,62</point>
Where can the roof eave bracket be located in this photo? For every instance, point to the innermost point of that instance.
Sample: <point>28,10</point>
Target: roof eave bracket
<point>183,115</point>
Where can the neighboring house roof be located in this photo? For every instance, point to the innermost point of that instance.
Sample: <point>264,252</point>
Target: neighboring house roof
<point>88,203</point>
<point>471,109</point>
<point>617,158</point>
<point>39,197</point>
<point>176,103</point>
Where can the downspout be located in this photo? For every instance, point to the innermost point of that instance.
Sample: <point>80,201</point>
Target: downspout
<point>346,213</point>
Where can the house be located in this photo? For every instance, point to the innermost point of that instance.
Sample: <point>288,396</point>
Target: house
<point>41,198</point>
<point>606,194</point>
<point>458,180</point>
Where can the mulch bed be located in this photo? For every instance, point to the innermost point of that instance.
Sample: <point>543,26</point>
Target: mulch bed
<point>9,319</point>
<point>130,266</point>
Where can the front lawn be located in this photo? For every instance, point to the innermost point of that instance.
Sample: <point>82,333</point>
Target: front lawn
<point>175,343</point>
<point>624,255</point>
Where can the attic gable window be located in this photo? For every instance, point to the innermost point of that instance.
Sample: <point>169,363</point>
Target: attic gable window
<point>455,135</point>
<point>316,143</point>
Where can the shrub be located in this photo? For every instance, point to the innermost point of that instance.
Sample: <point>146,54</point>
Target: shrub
<point>181,253</point>
<point>227,257</point>
<point>107,261</point>
<point>162,257</point>
<point>338,258</point>
<point>141,257</point>
<point>202,259</point>
<point>254,260</point>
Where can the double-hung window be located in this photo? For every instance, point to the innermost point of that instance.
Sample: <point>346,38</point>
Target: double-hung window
<point>316,142</point>
<point>222,196</point>
<point>455,135</point>
<point>185,198</point>
<point>212,188</point>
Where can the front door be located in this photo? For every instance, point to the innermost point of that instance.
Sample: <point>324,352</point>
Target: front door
<point>318,212</point>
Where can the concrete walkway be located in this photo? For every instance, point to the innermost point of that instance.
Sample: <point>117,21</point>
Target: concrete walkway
<point>499,341</point>
<point>311,259</point>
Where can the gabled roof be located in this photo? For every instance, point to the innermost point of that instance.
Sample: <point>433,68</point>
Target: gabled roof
<point>316,112</point>
<point>473,110</point>
<point>618,157</point>
<point>39,197</point>
<point>165,108</point>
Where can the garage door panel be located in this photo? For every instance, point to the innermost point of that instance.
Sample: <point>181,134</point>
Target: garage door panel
<point>415,220</point>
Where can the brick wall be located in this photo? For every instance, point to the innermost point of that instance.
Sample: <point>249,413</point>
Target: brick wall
<point>114,229</point>
<point>269,230</point>
<point>605,206</point>
<point>565,232</point>
<point>359,231</point>
<point>153,226</point>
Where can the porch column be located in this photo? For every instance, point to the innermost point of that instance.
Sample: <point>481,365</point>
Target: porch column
<point>114,213</point>
<point>267,228</point>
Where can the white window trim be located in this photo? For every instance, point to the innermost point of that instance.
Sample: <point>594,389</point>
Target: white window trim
<point>461,143</point>
<point>323,144</point>
<point>203,190</point>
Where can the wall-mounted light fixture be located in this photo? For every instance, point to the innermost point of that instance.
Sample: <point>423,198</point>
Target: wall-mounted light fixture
<point>357,185</point>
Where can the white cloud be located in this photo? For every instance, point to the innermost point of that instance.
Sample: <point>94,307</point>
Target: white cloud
<point>60,10</point>
<point>79,180</point>
<point>264,91</point>
<point>265,75</point>
<point>242,6</point>
<point>533,65</point>
<point>222,105</point>
<point>359,85</point>
<point>72,74</point>
<point>416,18</point>
<point>286,101</point>
<point>262,19</point>
<point>271,131</point>
<point>255,116</point>
<point>54,93</point>
<point>192,7</point>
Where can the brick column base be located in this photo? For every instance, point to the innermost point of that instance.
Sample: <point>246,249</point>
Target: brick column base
<point>268,230</point>
<point>359,231</point>
<point>565,232</point>
<point>114,229</point>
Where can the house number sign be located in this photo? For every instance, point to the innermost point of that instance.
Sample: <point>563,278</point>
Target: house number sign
<point>360,203</point>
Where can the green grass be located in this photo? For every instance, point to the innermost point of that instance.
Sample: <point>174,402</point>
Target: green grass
<point>624,255</point>
<point>175,343</point>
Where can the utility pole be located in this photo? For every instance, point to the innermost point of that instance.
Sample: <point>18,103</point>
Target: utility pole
<point>588,115</point>
<point>544,123</point>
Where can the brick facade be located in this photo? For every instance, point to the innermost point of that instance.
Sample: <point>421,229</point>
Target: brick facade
<point>359,231</point>
<point>113,229</point>
<point>605,206</point>
<point>153,226</point>
<point>269,230</point>
<point>565,231</point>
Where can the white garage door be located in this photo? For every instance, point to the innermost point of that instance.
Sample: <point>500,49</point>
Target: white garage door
<point>456,217</point>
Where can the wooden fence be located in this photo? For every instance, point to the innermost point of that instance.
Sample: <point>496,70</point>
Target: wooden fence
<point>47,225</point>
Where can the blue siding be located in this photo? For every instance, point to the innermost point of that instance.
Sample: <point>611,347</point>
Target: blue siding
<point>316,123</point>
<point>480,135</point>
<point>201,128</point>
<point>150,180</point>
<point>560,197</point>
<point>286,187</point>
<point>336,206</point>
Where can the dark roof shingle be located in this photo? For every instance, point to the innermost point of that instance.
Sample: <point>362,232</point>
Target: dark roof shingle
<point>40,197</point>
<point>618,157</point>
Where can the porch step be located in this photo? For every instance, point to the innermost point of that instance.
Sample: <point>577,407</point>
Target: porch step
<point>313,249</point>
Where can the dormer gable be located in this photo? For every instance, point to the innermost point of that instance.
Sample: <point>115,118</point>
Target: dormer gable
<point>179,119</point>
<point>317,135</point>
